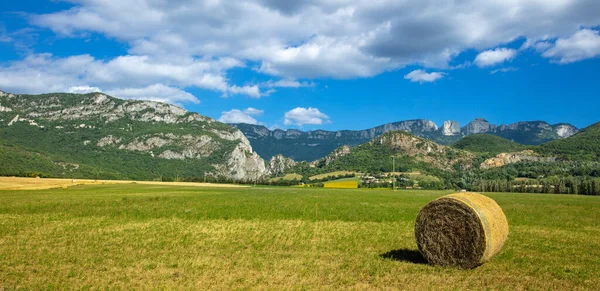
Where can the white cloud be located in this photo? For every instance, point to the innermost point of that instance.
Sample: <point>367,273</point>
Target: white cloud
<point>254,111</point>
<point>301,116</point>
<point>494,57</point>
<point>422,76</point>
<point>241,116</point>
<point>584,44</point>
<point>542,46</point>
<point>83,89</point>
<point>285,83</point>
<point>156,92</point>
<point>128,74</point>
<point>252,91</point>
<point>504,70</point>
<point>317,38</point>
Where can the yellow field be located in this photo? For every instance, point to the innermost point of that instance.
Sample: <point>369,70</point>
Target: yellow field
<point>342,184</point>
<point>19,183</point>
<point>332,174</point>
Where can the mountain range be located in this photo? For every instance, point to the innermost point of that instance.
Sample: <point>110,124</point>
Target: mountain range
<point>315,144</point>
<point>98,136</point>
<point>477,160</point>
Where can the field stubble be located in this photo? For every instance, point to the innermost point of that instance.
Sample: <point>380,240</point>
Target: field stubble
<point>152,236</point>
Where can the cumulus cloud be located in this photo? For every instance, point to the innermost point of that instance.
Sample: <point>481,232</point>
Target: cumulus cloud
<point>584,44</point>
<point>422,76</point>
<point>156,92</point>
<point>241,116</point>
<point>287,84</point>
<point>83,89</point>
<point>128,75</point>
<point>317,38</point>
<point>252,91</point>
<point>494,57</point>
<point>301,116</point>
<point>254,111</point>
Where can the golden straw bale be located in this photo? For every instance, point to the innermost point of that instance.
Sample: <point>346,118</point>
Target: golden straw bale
<point>463,230</point>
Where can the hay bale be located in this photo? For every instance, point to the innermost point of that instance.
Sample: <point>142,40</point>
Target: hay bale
<point>461,230</point>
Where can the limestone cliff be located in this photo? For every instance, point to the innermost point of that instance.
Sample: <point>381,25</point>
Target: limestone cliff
<point>450,128</point>
<point>278,165</point>
<point>515,157</point>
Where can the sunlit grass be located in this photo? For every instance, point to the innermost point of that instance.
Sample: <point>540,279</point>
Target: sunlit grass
<point>287,177</point>
<point>332,174</point>
<point>161,237</point>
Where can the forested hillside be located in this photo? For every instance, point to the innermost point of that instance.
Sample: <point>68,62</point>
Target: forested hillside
<point>98,136</point>
<point>487,143</point>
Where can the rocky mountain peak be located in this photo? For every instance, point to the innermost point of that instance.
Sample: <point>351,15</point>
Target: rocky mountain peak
<point>478,125</point>
<point>565,130</point>
<point>450,128</point>
<point>406,142</point>
<point>278,164</point>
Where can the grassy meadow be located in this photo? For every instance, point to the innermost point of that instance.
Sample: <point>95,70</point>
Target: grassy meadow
<point>332,174</point>
<point>134,236</point>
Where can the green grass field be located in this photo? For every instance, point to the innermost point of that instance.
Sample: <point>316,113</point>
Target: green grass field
<point>287,177</point>
<point>332,174</point>
<point>164,237</point>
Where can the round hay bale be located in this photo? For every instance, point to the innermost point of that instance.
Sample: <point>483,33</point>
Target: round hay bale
<point>462,230</point>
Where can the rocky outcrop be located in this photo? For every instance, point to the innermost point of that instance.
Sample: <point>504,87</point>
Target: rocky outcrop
<point>108,109</point>
<point>418,125</point>
<point>515,157</point>
<point>565,130</point>
<point>278,164</point>
<point>439,156</point>
<point>4,109</point>
<point>478,125</point>
<point>242,164</point>
<point>108,140</point>
<point>450,128</point>
<point>339,152</point>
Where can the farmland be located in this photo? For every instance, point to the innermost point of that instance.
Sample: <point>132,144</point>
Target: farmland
<point>134,236</point>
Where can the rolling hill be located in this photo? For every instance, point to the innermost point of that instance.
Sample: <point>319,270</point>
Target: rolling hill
<point>410,153</point>
<point>584,145</point>
<point>487,143</point>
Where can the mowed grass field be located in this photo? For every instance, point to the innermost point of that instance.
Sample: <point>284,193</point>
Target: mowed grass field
<point>134,236</point>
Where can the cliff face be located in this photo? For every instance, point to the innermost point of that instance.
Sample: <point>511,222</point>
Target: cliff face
<point>450,128</point>
<point>515,157</point>
<point>565,130</point>
<point>479,125</point>
<point>439,156</point>
<point>146,129</point>
<point>278,164</point>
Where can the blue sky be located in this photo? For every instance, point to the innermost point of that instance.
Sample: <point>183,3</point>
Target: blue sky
<point>315,64</point>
